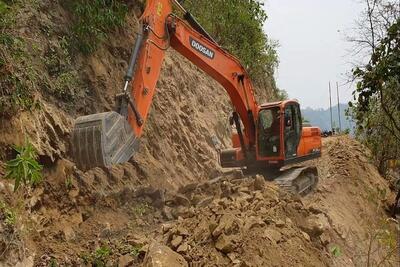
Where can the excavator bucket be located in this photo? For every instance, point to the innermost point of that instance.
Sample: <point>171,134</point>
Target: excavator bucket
<point>102,140</point>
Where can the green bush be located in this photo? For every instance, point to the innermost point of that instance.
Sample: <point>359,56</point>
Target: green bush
<point>97,258</point>
<point>93,19</point>
<point>24,168</point>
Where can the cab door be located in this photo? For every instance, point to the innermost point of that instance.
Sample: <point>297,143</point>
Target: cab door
<point>292,129</point>
<point>269,137</point>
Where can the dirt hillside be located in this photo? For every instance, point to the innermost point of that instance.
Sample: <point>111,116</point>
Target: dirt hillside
<point>172,199</point>
<point>227,221</point>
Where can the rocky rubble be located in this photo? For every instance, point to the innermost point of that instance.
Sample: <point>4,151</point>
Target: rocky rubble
<point>229,221</point>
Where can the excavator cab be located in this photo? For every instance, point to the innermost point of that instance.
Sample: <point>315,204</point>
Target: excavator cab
<point>281,140</point>
<point>279,129</point>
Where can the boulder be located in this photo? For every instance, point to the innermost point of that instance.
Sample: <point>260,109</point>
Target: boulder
<point>325,239</point>
<point>316,225</point>
<point>176,241</point>
<point>273,235</point>
<point>69,233</point>
<point>183,248</point>
<point>125,261</point>
<point>162,256</point>
<point>226,225</point>
<point>225,244</point>
<point>259,182</point>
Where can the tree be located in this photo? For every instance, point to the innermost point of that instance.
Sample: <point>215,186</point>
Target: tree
<point>377,98</point>
<point>237,25</point>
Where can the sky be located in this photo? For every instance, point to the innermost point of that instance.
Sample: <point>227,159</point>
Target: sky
<point>312,47</point>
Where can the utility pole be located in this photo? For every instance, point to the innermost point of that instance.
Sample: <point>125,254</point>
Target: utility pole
<point>338,106</point>
<point>330,104</point>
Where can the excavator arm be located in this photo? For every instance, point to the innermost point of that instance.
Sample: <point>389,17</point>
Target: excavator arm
<point>112,137</point>
<point>162,29</point>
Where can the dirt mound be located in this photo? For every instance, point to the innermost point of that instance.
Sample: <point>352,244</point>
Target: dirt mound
<point>353,197</point>
<point>243,222</point>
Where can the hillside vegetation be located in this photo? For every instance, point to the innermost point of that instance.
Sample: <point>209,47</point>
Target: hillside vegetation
<point>237,25</point>
<point>376,108</point>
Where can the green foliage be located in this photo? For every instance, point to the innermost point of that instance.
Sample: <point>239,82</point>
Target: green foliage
<point>336,251</point>
<point>97,258</point>
<point>102,253</point>
<point>53,263</point>
<point>65,84</point>
<point>18,86</point>
<point>140,209</point>
<point>238,26</point>
<point>24,168</point>
<point>377,106</point>
<point>135,251</point>
<point>68,183</point>
<point>281,95</point>
<point>93,19</point>
<point>10,216</point>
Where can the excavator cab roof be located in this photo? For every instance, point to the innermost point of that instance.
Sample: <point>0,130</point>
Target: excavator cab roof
<point>278,103</point>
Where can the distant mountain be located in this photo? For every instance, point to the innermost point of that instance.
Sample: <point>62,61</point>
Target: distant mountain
<point>322,118</point>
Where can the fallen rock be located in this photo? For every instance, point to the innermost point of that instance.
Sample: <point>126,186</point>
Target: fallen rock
<point>167,227</point>
<point>226,225</point>
<point>162,256</point>
<point>181,200</point>
<point>125,261</point>
<point>34,202</point>
<point>183,248</point>
<point>325,239</point>
<point>314,208</point>
<point>280,223</point>
<point>306,236</point>
<point>273,235</point>
<point>202,231</point>
<point>106,232</point>
<point>316,225</point>
<point>69,233</point>
<point>187,188</point>
<point>157,196</point>
<point>176,241</point>
<point>137,240</point>
<point>259,182</point>
<point>205,202</point>
<point>253,222</point>
<point>224,244</point>
<point>167,213</point>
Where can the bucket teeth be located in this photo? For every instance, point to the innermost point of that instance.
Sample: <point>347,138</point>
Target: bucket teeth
<point>102,140</point>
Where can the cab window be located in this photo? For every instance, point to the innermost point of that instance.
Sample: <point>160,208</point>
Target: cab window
<point>269,132</point>
<point>292,131</point>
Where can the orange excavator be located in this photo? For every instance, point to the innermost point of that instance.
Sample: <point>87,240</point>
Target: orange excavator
<point>267,139</point>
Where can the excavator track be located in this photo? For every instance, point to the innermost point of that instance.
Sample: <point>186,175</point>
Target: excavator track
<point>298,180</point>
